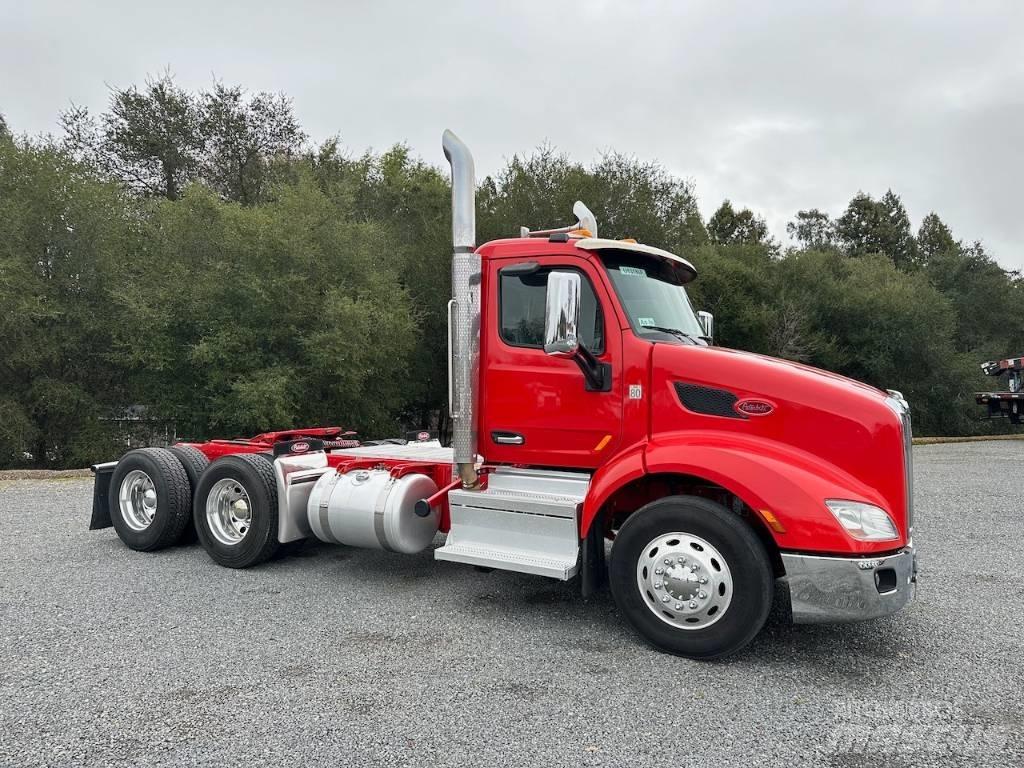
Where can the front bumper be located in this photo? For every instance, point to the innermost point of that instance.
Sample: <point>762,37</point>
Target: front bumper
<point>837,589</point>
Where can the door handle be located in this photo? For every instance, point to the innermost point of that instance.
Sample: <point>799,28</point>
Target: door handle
<point>507,438</point>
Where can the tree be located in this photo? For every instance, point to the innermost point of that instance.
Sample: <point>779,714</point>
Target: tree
<point>729,227</point>
<point>149,139</point>
<point>64,237</point>
<point>629,198</point>
<point>243,137</point>
<point>870,226</point>
<point>934,239</point>
<point>270,316</point>
<point>813,229</point>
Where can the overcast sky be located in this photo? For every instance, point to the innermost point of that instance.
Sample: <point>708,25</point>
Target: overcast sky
<point>777,106</point>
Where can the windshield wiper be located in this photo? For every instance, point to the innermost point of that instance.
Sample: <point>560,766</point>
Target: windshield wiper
<point>674,331</point>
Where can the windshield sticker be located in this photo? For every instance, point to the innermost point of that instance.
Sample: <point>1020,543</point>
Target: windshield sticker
<point>632,271</point>
<point>645,321</point>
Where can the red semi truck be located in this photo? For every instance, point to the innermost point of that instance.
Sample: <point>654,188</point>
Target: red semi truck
<point>597,434</point>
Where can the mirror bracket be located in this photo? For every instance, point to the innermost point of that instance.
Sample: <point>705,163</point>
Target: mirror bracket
<point>597,375</point>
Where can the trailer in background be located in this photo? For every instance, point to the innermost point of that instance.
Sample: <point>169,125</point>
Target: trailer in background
<point>1009,404</point>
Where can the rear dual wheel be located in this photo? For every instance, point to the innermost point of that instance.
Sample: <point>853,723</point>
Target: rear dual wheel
<point>235,510</point>
<point>691,577</point>
<point>150,499</point>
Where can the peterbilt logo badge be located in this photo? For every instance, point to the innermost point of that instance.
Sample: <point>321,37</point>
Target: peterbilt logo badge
<point>423,437</point>
<point>300,447</point>
<point>752,407</point>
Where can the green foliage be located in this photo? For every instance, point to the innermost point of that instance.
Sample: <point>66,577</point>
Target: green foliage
<point>629,198</point>
<point>281,314</point>
<point>730,227</point>
<point>62,234</point>
<point>242,137</point>
<point>158,139</point>
<point>813,229</point>
<point>882,226</point>
<point>191,253</point>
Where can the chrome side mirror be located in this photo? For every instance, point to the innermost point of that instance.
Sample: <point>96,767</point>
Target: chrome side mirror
<point>707,322</point>
<point>562,314</point>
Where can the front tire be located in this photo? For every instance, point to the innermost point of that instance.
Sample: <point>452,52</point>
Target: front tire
<point>691,577</point>
<point>235,510</point>
<point>150,499</point>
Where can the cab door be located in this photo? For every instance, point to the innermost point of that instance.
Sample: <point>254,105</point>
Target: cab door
<point>536,409</point>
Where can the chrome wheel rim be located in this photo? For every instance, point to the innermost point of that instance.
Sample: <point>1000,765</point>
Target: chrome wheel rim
<point>684,580</point>
<point>228,511</point>
<point>137,500</point>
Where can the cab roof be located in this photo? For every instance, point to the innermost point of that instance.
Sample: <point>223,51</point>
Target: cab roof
<point>671,268</point>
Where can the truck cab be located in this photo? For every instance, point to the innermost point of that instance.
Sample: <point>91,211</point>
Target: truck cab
<point>598,434</point>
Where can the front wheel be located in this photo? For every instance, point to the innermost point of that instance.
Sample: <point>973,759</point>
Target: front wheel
<point>235,510</point>
<point>691,577</point>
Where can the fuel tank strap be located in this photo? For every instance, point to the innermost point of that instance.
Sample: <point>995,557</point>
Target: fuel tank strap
<point>378,515</point>
<point>323,507</point>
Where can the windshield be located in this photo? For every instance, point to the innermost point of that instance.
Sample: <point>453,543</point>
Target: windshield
<point>657,309</point>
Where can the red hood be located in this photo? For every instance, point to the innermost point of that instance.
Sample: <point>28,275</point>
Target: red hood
<point>828,418</point>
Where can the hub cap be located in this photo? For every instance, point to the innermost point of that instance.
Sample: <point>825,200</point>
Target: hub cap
<point>684,580</point>
<point>228,511</point>
<point>137,500</point>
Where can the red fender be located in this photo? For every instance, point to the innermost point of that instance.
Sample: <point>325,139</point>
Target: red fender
<point>626,467</point>
<point>764,474</point>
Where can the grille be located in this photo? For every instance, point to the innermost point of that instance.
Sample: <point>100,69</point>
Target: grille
<point>707,400</point>
<point>902,408</point>
<point>908,463</point>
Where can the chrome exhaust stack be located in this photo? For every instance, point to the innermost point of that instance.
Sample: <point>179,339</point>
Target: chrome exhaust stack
<point>463,311</point>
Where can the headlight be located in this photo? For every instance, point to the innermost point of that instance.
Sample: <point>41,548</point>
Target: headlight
<point>863,521</point>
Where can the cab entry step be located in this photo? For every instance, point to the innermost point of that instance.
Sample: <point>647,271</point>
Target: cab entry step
<point>526,521</point>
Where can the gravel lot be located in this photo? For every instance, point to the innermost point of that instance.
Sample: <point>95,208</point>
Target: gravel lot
<point>353,657</point>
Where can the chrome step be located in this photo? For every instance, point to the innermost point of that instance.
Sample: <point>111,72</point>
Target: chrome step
<point>526,521</point>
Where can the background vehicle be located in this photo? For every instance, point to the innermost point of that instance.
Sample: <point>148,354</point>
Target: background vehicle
<point>1004,405</point>
<point>588,405</point>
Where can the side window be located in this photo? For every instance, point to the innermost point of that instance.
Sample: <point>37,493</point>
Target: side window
<point>523,299</point>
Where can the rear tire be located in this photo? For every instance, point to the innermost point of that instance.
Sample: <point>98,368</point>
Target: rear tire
<point>150,499</point>
<point>691,577</point>
<point>195,463</point>
<point>235,510</point>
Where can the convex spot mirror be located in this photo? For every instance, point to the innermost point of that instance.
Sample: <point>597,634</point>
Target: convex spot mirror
<point>707,322</point>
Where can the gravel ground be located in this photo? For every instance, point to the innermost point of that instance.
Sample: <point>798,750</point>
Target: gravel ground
<point>353,657</point>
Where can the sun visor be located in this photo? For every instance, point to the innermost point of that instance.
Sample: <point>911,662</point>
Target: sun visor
<point>671,267</point>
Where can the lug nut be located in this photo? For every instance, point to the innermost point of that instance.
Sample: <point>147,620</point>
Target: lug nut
<point>679,606</point>
<point>702,595</point>
<point>664,598</point>
<point>667,561</point>
<point>657,585</point>
<point>693,603</point>
<point>703,579</point>
<point>693,568</point>
<point>659,571</point>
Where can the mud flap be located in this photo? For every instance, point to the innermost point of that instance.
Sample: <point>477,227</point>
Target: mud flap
<point>594,571</point>
<point>101,495</point>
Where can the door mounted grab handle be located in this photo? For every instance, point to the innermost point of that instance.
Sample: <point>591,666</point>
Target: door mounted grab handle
<point>507,438</point>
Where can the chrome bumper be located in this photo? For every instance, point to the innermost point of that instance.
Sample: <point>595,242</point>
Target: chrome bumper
<point>836,589</point>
